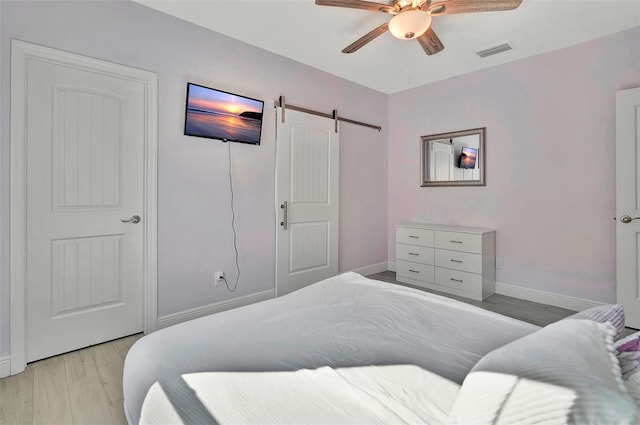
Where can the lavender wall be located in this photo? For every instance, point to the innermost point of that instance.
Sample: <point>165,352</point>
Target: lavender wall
<point>194,233</point>
<point>550,190</point>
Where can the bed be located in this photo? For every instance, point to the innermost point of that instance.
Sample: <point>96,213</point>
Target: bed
<point>344,350</point>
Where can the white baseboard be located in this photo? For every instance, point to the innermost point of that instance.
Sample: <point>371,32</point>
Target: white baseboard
<point>372,269</point>
<point>5,366</point>
<point>543,297</point>
<point>194,313</point>
<point>537,296</point>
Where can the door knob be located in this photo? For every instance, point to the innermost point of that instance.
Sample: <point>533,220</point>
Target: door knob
<point>627,219</point>
<point>135,219</point>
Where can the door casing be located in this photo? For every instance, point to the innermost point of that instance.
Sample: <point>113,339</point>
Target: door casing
<point>627,204</point>
<point>21,53</point>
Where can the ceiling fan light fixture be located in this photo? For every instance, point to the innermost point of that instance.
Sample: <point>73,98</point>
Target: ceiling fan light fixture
<point>410,24</point>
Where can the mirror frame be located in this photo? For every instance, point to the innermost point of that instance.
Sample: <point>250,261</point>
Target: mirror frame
<point>482,153</point>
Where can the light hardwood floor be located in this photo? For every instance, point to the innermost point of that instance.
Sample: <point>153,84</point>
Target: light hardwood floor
<point>81,387</point>
<point>85,386</point>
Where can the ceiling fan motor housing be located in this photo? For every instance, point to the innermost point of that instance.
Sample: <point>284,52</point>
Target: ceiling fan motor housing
<point>401,4</point>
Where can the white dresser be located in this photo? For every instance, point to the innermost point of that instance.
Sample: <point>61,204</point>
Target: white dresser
<point>456,260</point>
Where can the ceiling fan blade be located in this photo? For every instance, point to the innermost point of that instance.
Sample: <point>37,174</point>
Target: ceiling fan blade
<point>430,42</point>
<point>359,4</point>
<point>449,7</point>
<point>366,38</point>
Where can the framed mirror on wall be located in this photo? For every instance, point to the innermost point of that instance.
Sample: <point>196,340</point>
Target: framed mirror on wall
<point>453,159</point>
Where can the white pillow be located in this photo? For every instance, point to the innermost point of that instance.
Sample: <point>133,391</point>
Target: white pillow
<point>633,385</point>
<point>566,372</point>
<point>628,352</point>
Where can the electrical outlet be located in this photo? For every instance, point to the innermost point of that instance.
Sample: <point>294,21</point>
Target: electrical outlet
<point>499,263</point>
<point>219,278</point>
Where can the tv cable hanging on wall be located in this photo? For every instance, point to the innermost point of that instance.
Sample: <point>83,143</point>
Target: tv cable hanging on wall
<point>233,226</point>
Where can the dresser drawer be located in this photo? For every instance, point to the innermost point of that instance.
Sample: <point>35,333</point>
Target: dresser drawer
<point>415,253</point>
<point>457,260</point>
<point>413,236</point>
<point>422,272</point>
<point>463,281</point>
<point>466,242</point>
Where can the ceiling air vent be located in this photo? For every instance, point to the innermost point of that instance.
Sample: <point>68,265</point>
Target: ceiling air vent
<point>503,47</point>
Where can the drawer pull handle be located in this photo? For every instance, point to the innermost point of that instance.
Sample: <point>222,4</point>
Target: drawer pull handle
<point>457,261</point>
<point>414,271</point>
<point>413,253</point>
<point>455,241</point>
<point>457,280</point>
<point>414,237</point>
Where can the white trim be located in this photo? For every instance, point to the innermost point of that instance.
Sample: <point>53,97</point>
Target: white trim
<point>18,208</point>
<point>21,53</point>
<point>150,278</point>
<point>535,295</point>
<point>5,366</point>
<point>194,313</point>
<point>392,266</point>
<point>372,269</point>
<point>3,235</point>
<point>543,297</point>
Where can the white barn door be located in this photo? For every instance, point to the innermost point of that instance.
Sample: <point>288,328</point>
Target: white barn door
<point>440,161</point>
<point>628,204</point>
<point>85,133</point>
<point>307,192</point>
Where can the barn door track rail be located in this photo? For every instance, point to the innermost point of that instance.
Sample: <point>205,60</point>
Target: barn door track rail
<point>280,102</point>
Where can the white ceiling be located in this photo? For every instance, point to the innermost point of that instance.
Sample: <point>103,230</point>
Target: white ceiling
<point>315,35</point>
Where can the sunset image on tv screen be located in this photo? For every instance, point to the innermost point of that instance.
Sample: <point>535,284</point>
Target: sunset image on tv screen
<point>219,115</point>
<point>468,157</point>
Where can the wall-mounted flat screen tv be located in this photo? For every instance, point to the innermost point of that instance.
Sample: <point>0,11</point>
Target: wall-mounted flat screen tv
<point>468,157</point>
<point>216,114</point>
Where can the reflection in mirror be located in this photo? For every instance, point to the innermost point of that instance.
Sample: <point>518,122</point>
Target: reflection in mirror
<point>453,159</point>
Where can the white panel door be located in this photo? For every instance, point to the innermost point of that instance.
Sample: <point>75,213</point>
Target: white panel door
<point>440,161</point>
<point>628,204</point>
<point>307,184</point>
<point>85,174</point>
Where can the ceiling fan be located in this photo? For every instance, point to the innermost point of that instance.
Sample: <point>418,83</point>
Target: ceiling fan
<point>412,18</point>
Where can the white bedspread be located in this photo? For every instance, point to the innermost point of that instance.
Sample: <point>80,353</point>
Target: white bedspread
<point>364,395</point>
<point>343,322</point>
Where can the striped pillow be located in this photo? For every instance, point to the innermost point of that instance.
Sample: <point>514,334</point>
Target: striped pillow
<point>566,372</point>
<point>612,313</point>
<point>498,398</point>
